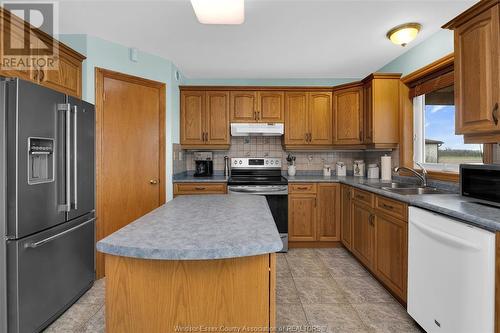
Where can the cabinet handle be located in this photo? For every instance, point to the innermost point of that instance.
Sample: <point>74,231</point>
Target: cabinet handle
<point>360,197</point>
<point>153,182</point>
<point>387,206</point>
<point>302,188</point>
<point>306,136</point>
<point>206,136</point>
<point>42,75</point>
<point>258,115</point>
<point>35,75</point>
<point>199,188</point>
<point>371,219</point>
<point>255,115</point>
<point>315,202</point>
<point>494,113</point>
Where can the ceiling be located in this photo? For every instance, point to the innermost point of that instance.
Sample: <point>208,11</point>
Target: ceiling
<point>279,39</point>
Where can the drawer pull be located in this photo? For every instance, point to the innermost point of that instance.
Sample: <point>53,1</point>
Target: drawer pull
<point>199,188</point>
<point>387,206</point>
<point>302,188</point>
<point>361,197</point>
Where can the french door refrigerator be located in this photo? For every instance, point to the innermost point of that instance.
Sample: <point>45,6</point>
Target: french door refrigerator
<point>47,173</point>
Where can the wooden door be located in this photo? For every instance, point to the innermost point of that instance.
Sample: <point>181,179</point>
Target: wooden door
<point>363,233</point>
<point>345,216</point>
<point>391,253</point>
<point>130,150</point>
<point>271,106</point>
<point>296,118</point>
<point>368,112</point>
<point>320,118</point>
<point>302,217</point>
<point>217,117</point>
<point>328,212</point>
<point>348,116</point>
<point>192,117</point>
<point>477,73</point>
<point>243,106</point>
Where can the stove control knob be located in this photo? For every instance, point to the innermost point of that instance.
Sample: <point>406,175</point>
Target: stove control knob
<point>267,162</point>
<point>235,162</point>
<point>241,162</point>
<point>272,162</point>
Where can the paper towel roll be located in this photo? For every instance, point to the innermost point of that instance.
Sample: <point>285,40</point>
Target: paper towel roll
<point>386,167</point>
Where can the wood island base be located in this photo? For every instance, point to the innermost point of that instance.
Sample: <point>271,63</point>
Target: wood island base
<point>220,295</point>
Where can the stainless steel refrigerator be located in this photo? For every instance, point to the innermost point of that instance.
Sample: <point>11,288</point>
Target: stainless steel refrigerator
<point>47,173</point>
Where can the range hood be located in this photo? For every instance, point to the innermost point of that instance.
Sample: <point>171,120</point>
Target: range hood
<point>257,129</point>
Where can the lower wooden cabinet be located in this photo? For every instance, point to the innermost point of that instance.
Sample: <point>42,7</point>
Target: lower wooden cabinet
<point>199,188</point>
<point>314,212</point>
<point>363,233</point>
<point>345,216</point>
<point>375,229</point>
<point>328,212</point>
<point>302,217</point>
<point>391,253</point>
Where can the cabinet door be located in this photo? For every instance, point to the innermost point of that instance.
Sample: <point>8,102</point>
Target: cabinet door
<point>192,117</point>
<point>347,116</point>
<point>391,254</point>
<point>302,217</point>
<point>363,233</point>
<point>65,78</point>
<point>328,212</point>
<point>271,107</point>
<point>243,106</point>
<point>217,117</point>
<point>345,216</point>
<point>477,71</point>
<point>368,112</point>
<point>296,118</point>
<point>320,118</point>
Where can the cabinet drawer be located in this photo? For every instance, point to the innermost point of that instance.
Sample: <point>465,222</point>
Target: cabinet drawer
<point>391,207</point>
<point>302,188</point>
<point>199,188</point>
<point>363,197</point>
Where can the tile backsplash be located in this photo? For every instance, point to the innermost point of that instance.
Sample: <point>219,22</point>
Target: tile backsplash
<point>258,146</point>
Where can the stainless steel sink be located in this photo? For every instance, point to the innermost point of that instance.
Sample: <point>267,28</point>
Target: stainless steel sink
<point>414,190</point>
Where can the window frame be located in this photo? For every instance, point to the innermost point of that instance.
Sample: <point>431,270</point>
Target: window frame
<point>433,76</point>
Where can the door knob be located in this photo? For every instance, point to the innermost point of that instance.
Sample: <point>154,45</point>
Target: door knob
<point>153,182</point>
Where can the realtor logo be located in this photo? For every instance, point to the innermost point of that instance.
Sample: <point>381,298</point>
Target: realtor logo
<point>26,42</point>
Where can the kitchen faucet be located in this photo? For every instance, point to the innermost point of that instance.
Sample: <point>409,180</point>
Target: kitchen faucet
<point>422,177</point>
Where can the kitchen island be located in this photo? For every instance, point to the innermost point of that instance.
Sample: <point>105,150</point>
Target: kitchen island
<point>197,263</point>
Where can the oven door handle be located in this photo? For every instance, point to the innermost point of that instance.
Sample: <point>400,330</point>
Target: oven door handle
<point>259,190</point>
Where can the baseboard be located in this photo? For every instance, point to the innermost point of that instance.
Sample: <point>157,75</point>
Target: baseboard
<point>314,244</point>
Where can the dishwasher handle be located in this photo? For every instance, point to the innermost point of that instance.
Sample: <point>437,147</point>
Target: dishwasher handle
<point>444,237</point>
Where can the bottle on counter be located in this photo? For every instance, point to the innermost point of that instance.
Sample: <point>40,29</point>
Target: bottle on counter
<point>341,169</point>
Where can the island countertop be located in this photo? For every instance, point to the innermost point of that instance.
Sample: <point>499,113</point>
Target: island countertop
<point>198,227</point>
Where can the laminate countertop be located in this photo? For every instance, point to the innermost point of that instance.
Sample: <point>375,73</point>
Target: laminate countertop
<point>198,227</point>
<point>452,204</point>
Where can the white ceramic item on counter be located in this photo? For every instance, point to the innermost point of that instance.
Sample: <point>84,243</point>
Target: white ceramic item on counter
<point>327,170</point>
<point>359,168</point>
<point>373,171</point>
<point>292,170</point>
<point>341,169</point>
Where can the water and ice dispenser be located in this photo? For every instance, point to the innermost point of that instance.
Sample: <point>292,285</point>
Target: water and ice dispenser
<point>40,160</point>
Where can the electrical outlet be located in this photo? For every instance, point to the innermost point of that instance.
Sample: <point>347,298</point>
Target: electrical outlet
<point>180,156</point>
<point>310,158</point>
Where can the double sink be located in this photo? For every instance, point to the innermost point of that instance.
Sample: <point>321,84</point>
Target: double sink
<point>407,189</point>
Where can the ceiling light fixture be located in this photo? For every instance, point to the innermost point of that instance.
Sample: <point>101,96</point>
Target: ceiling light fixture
<point>219,11</point>
<point>404,33</point>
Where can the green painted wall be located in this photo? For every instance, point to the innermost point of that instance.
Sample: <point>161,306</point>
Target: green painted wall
<point>116,57</point>
<point>429,50</point>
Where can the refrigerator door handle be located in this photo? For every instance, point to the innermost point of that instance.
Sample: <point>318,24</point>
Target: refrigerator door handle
<point>34,245</point>
<point>75,159</point>
<point>67,109</point>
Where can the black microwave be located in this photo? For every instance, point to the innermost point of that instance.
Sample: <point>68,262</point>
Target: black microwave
<point>481,182</point>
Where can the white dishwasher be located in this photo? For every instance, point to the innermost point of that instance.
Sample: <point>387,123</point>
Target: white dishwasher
<point>451,274</point>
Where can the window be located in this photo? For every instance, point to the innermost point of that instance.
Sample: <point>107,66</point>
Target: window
<point>436,145</point>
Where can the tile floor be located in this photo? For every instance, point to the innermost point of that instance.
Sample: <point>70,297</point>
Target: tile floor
<point>318,290</point>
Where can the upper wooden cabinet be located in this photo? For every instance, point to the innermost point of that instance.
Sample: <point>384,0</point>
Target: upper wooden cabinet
<point>204,119</point>
<point>66,77</point>
<point>308,119</point>
<point>477,72</point>
<point>381,110</point>
<point>348,115</point>
<point>257,106</point>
